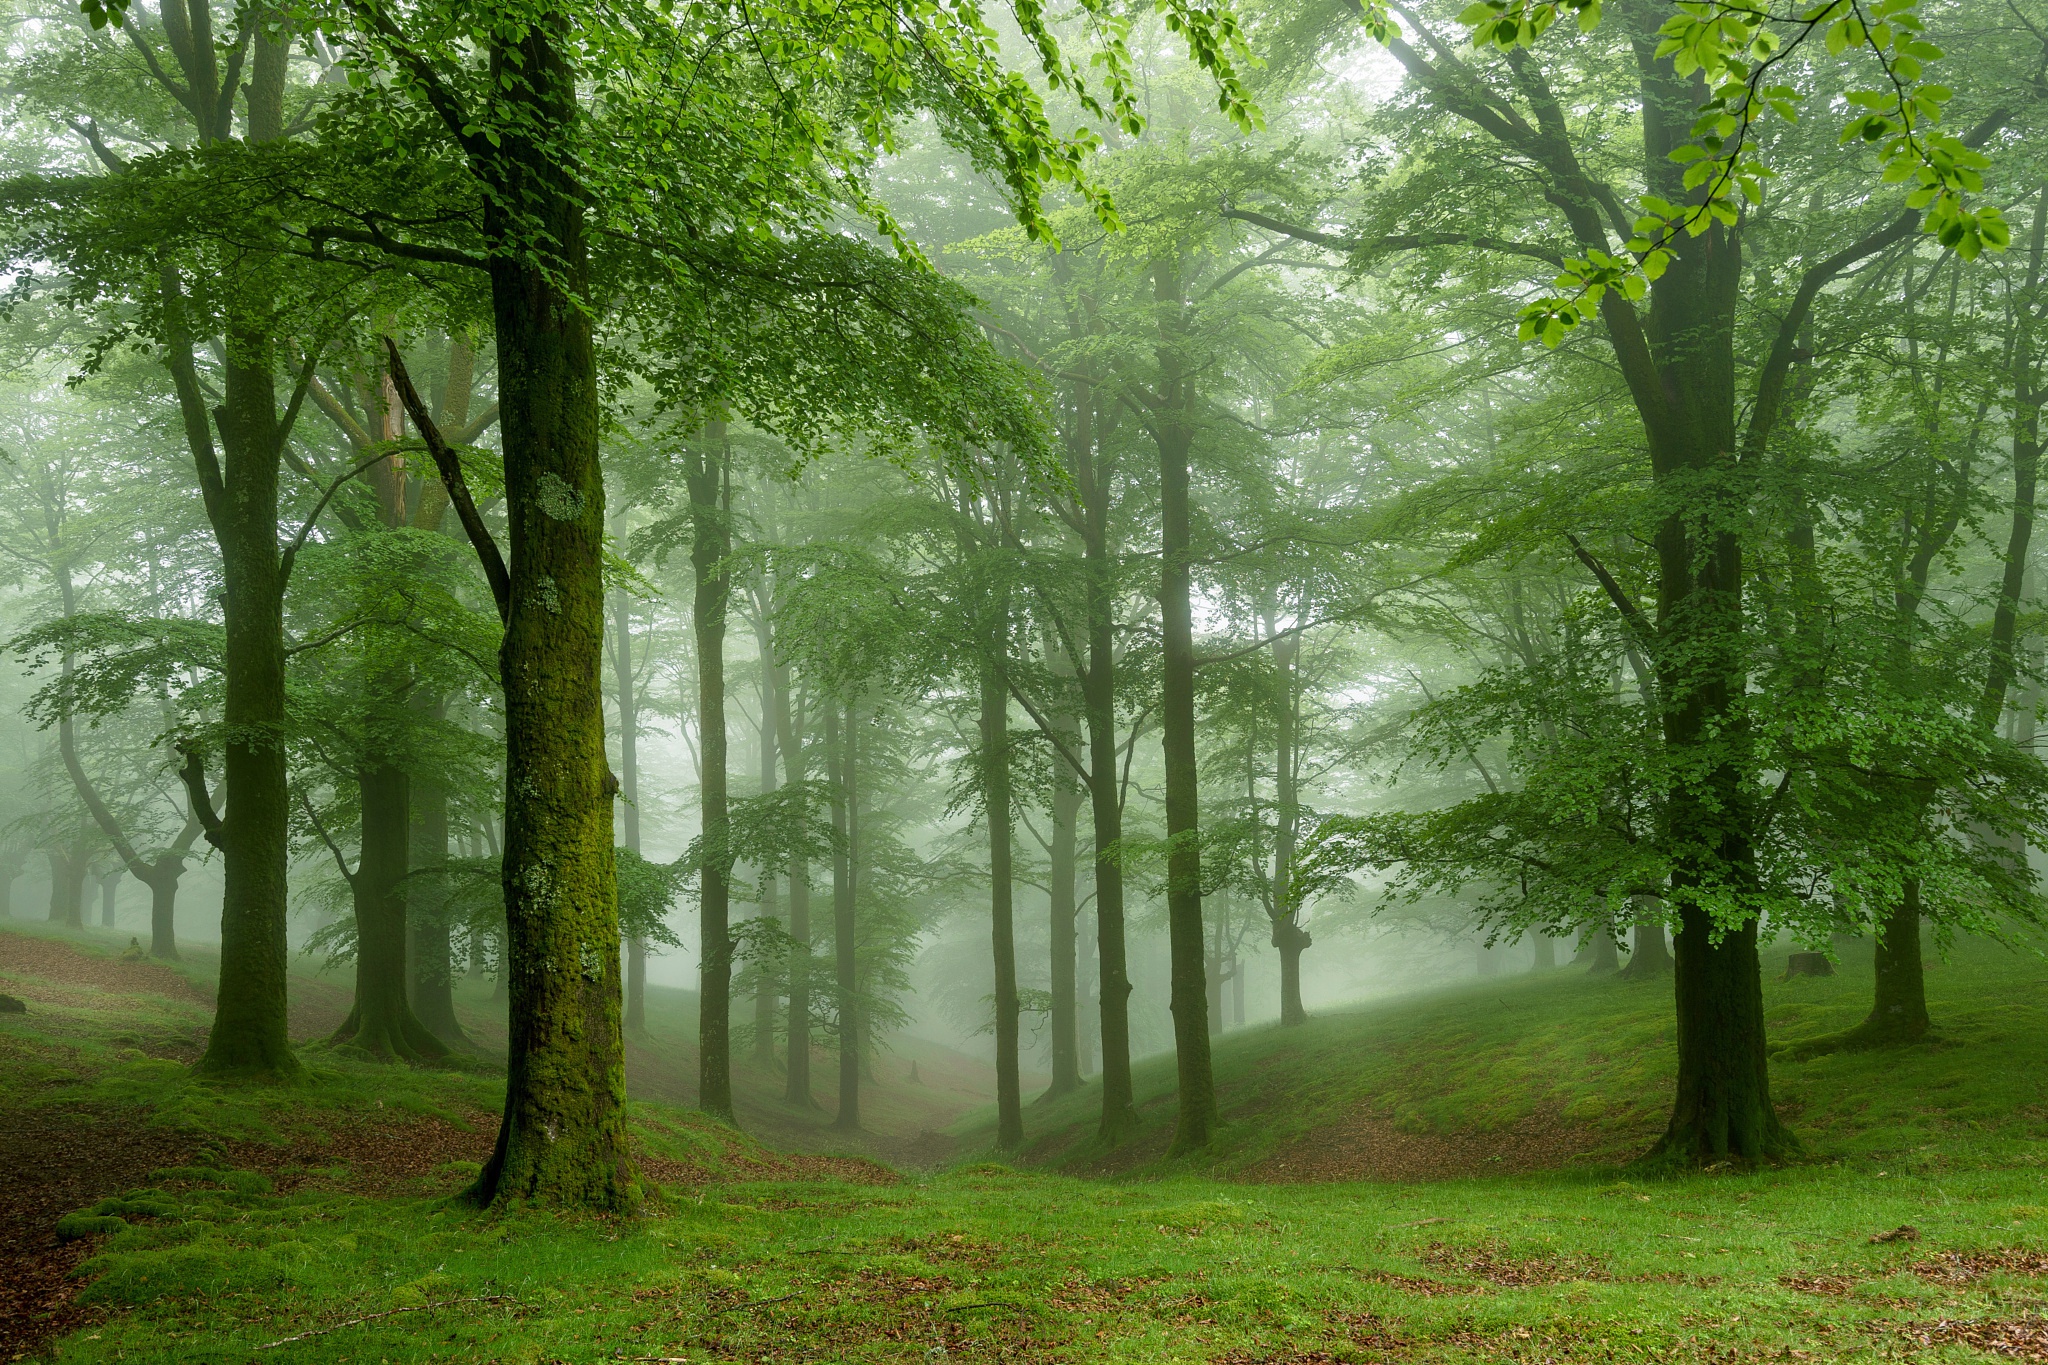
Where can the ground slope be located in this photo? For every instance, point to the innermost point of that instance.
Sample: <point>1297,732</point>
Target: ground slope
<point>1532,1072</point>
<point>212,1223</point>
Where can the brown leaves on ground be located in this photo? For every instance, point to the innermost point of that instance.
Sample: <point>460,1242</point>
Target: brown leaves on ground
<point>1487,1263</point>
<point>52,971</point>
<point>2015,1338</point>
<point>1961,1267</point>
<point>372,1155</point>
<point>54,1162</point>
<point>1908,1233</point>
<point>1241,1356</point>
<point>768,1166</point>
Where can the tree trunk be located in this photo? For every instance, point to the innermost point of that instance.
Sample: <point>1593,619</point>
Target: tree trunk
<point>1724,1108</point>
<point>67,887</point>
<point>433,955</point>
<point>710,545</point>
<point>629,796</point>
<point>845,961</point>
<point>1898,1012</point>
<point>1111,1019</point>
<point>1197,1108</point>
<point>995,761</point>
<point>766,994</point>
<point>1290,938</point>
<point>1606,953</point>
<point>382,1022</point>
<point>249,1039</point>
<point>110,883</point>
<point>563,1139</point>
<point>797,1069</point>
<point>1066,1039</point>
<point>1648,957</point>
<point>163,905</point>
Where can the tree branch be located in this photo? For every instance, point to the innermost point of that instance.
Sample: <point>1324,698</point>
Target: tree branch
<point>194,775</point>
<point>1406,241</point>
<point>487,550</point>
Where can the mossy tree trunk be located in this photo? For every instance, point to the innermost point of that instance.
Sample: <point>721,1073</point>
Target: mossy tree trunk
<point>710,488</point>
<point>563,1138</point>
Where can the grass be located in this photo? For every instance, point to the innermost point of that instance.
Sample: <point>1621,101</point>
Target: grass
<point>232,1256</point>
<point>1592,1059</point>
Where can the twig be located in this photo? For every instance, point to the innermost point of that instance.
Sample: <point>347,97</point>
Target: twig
<point>753,1303</point>
<point>387,1313</point>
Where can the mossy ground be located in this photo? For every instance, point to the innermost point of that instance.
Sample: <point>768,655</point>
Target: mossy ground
<point>228,1257</point>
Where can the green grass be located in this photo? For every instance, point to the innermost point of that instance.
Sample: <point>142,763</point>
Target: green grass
<point>1594,1055</point>
<point>984,1262</point>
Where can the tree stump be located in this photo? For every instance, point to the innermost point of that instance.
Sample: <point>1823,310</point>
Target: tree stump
<point>1807,964</point>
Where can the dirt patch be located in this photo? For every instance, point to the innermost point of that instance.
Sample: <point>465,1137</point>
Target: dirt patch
<point>371,1156</point>
<point>1511,1272</point>
<point>53,962</point>
<point>315,1009</point>
<point>1369,1146</point>
<point>54,1162</point>
<point>2016,1338</point>
<point>1961,1267</point>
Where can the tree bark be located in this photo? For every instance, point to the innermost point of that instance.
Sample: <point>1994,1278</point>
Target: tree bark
<point>1290,938</point>
<point>68,869</point>
<point>797,1069</point>
<point>629,795</point>
<point>563,1139</point>
<point>1196,1117</point>
<point>1105,798</point>
<point>1648,957</point>
<point>382,1022</point>
<point>433,957</point>
<point>766,994</point>
<point>1062,914</point>
<point>995,763</point>
<point>845,754</point>
<point>710,487</point>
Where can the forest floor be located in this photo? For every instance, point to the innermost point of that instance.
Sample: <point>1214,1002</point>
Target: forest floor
<point>314,1223</point>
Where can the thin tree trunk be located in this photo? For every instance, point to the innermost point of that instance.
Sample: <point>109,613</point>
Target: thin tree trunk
<point>1105,801</point>
<point>629,795</point>
<point>1066,1048</point>
<point>797,1069</point>
<point>766,994</point>
<point>995,761</point>
<point>1197,1092</point>
<point>1290,937</point>
<point>110,883</point>
<point>846,967</point>
<point>710,545</point>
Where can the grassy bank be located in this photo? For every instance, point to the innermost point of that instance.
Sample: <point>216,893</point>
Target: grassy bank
<point>315,1224</point>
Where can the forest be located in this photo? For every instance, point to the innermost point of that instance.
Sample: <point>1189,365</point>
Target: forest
<point>1258,682</point>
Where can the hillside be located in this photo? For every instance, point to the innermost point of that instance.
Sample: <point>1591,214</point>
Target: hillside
<point>148,1217</point>
<point>1532,1073</point>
